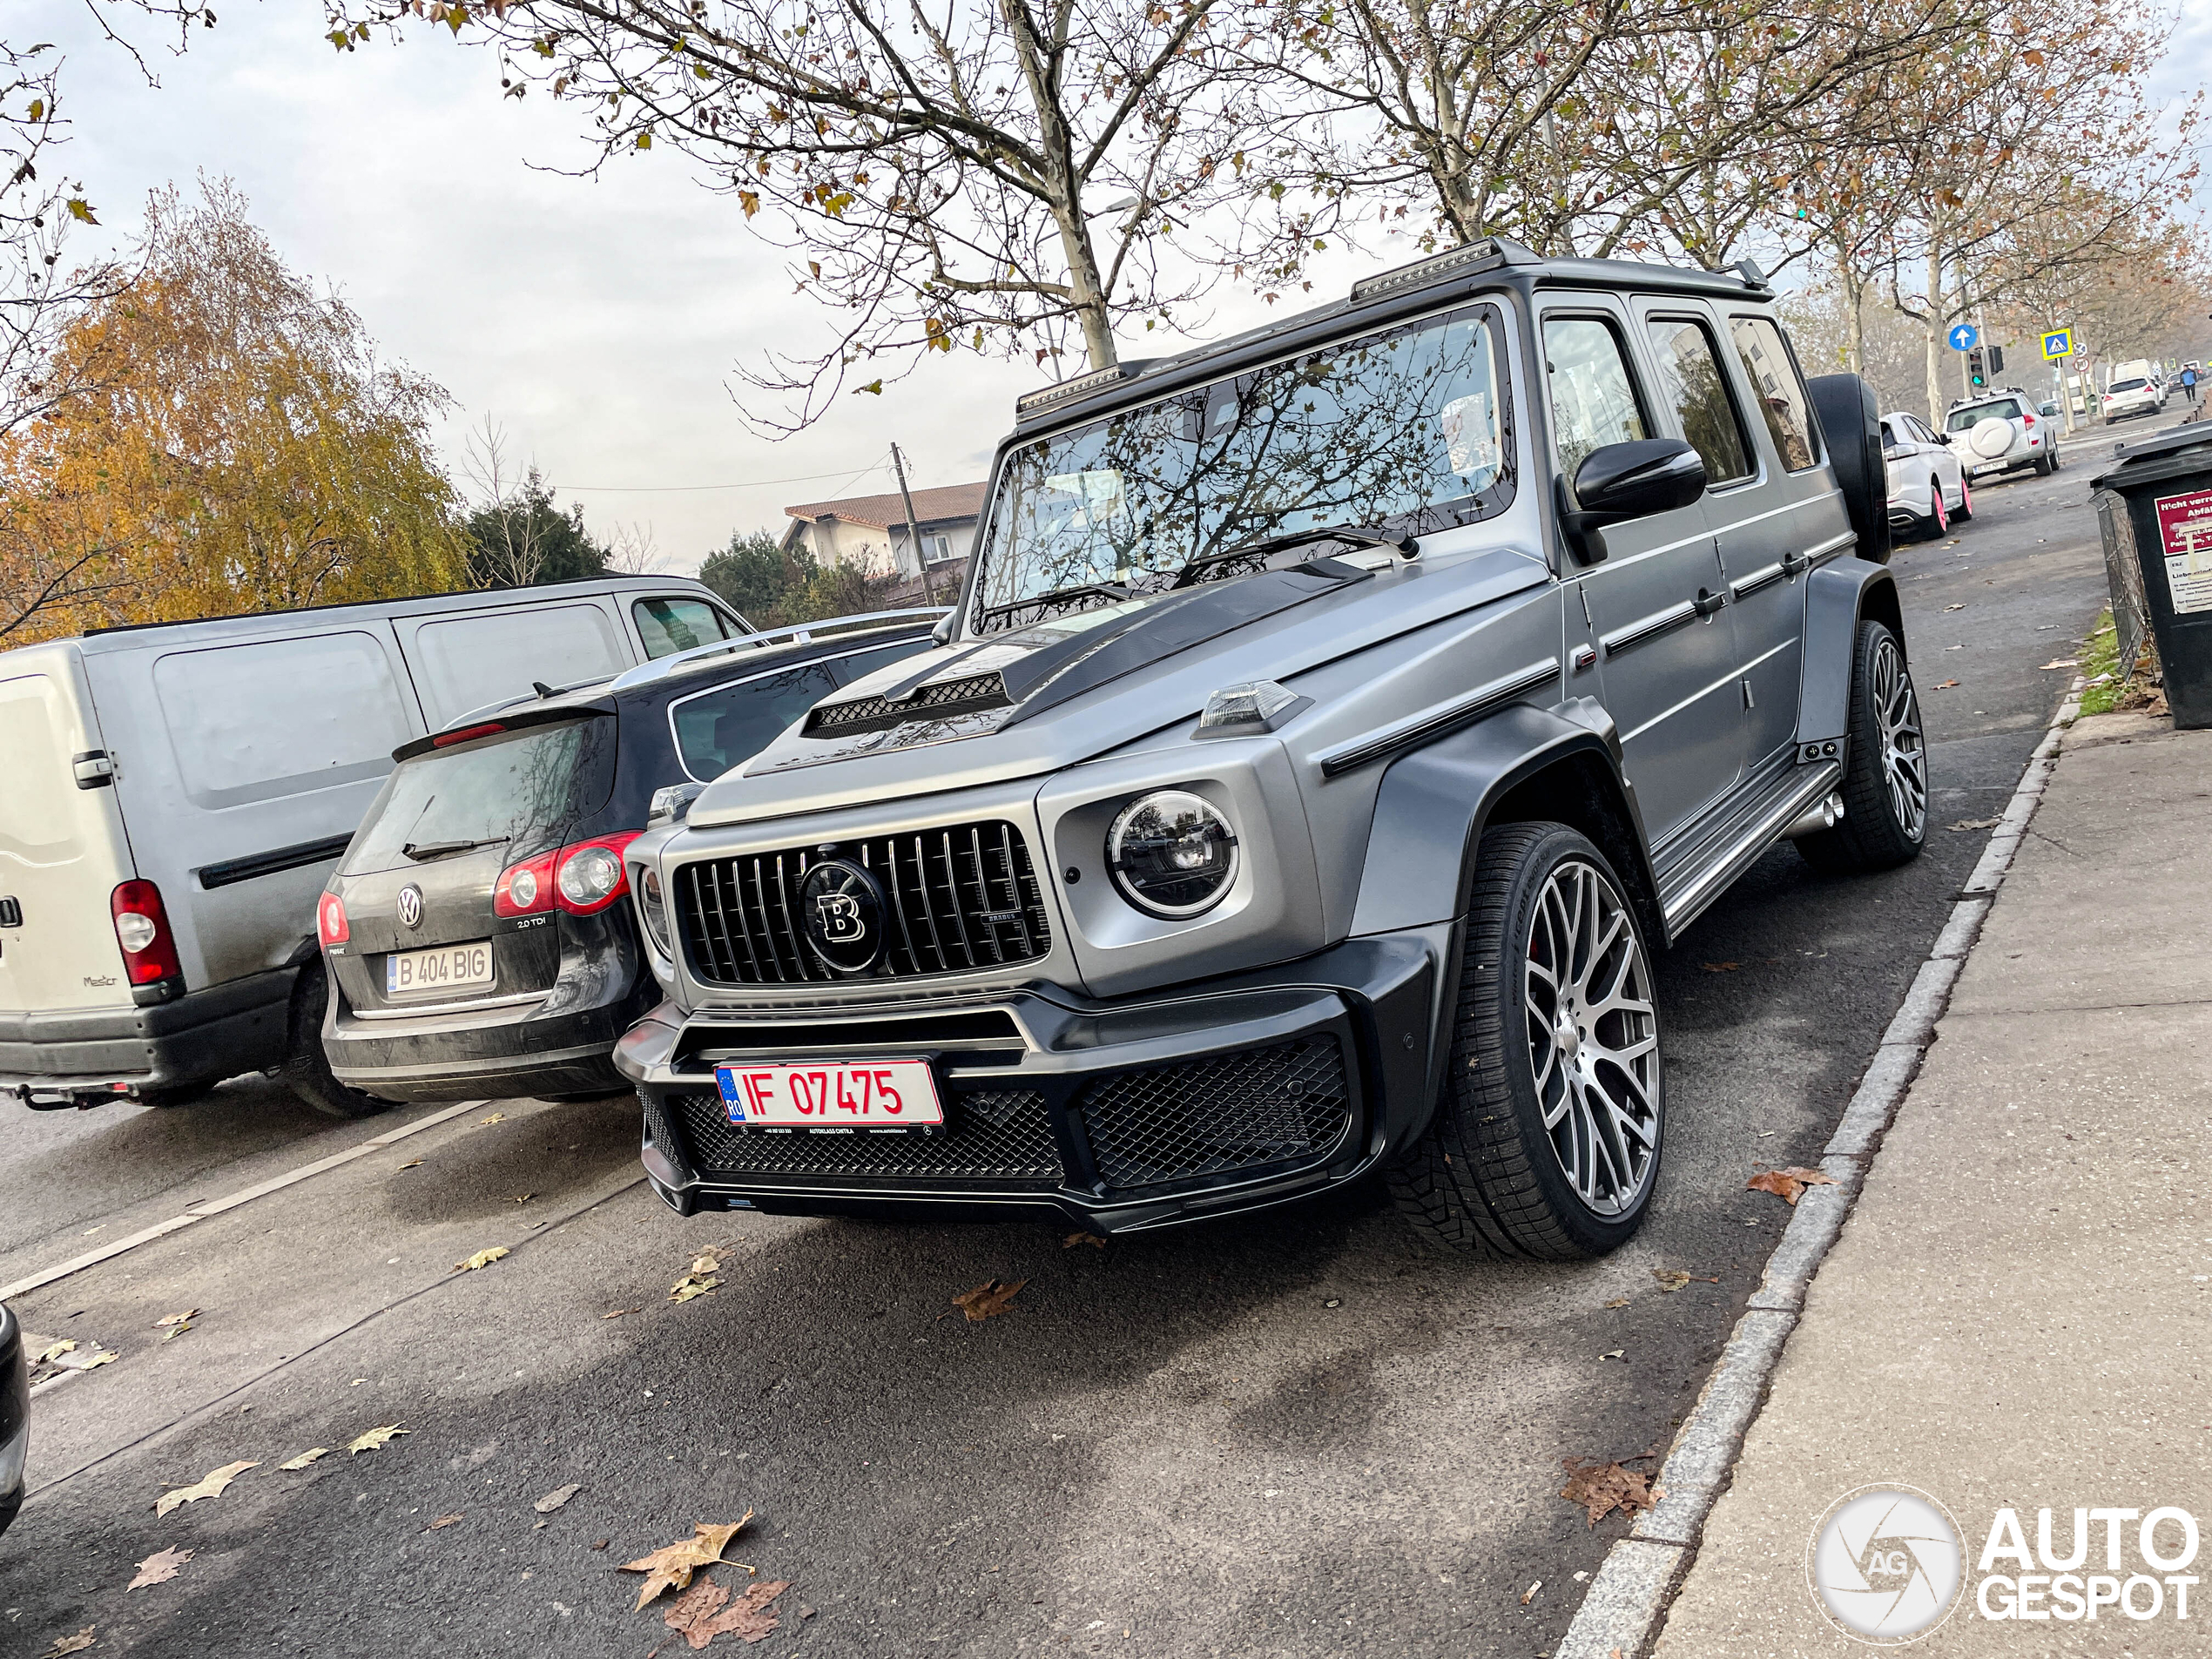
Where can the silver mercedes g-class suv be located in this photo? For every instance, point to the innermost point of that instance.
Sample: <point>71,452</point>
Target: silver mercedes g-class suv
<point>1332,722</point>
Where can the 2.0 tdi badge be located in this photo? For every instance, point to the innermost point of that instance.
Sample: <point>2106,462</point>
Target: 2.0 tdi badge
<point>842,908</point>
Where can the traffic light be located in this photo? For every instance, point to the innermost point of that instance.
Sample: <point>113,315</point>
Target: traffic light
<point>1975,371</point>
<point>1997,360</point>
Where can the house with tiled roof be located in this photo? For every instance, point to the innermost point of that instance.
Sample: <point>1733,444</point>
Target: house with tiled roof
<point>871,532</point>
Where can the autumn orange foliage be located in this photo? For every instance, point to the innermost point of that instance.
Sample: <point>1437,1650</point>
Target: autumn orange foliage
<point>235,446</point>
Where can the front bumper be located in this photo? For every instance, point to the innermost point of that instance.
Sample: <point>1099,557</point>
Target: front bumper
<point>63,1056</point>
<point>1141,1111</point>
<point>14,1416</point>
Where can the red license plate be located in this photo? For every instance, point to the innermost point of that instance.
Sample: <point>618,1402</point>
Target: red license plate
<point>883,1094</point>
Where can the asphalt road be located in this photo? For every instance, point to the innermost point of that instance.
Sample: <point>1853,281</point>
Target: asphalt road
<point>1302,1433</point>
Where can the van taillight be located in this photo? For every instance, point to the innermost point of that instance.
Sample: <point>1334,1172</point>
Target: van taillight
<point>330,919</point>
<point>142,928</point>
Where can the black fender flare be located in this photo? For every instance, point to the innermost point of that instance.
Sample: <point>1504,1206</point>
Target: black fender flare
<point>1435,803</point>
<point>1838,595</point>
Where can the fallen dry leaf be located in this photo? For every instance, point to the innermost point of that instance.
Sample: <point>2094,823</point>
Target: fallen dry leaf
<point>482,1259</point>
<point>411,1163</point>
<point>159,1567</point>
<point>1954,607</point>
<point>523,1197</point>
<point>2064,662</point>
<point>375,1438</point>
<point>177,1324</point>
<point>1617,1353</point>
<point>1944,685</point>
<point>987,1299</point>
<point>1670,1280</point>
<point>555,1499</point>
<point>1720,967</point>
<point>77,1644</point>
<point>692,1286</point>
<point>1074,1239</point>
<point>305,1459</point>
<point>1603,1487</point>
<point>1976,824</point>
<point>443,1521</point>
<point>671,1566</point>
<point>211,1487</point>
<point>1787,1183</point>
<point>497,1117</point>
<point>1618,1302</point>
<point>52,1352</point>
<point>618,1312</point>
<point>698,1616</point>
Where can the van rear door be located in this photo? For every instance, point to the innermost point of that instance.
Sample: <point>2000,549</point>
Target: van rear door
<point>62,848</point>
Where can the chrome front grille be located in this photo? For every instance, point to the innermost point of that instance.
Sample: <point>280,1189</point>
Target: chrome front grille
<point>961,899</point>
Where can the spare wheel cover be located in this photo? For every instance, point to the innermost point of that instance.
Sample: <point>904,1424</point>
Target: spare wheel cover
<point>1992,436</point>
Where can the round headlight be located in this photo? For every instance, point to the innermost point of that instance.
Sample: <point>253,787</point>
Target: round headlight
<point>1172,853</point>
<point>656,904</point>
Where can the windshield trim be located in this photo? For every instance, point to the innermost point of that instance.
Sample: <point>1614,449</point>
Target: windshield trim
<point>1494,307</point>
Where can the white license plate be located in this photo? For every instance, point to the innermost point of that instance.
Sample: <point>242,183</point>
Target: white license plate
<point>442,968</point>
<point>881,1095</point>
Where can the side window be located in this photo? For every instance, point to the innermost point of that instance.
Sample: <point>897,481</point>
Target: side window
<point>1781,394</point>
<point>719,729</point>
<point>1594,400</point>
<point>1919,430</point>
<point>667,626</point>
<point>1690,377</point>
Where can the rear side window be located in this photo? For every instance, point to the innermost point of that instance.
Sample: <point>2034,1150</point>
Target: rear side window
<point>719,729</point>
<point>281,716</point>
<point>667,626</point>
<point>1690,379</point>
<point>525,790</point>
<point>1780,391</point>
<point>1594,401</point>
<point>1999,409</point>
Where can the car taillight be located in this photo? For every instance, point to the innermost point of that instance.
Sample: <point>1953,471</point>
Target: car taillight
<point>330,919</point>
<point>590,875</point>
<point>583,879</point>
<point>525,889</point>
<point>142,929</point>
<point>2029,419</point>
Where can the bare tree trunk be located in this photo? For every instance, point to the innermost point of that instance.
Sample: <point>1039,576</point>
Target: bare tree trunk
<point>1933,327</point>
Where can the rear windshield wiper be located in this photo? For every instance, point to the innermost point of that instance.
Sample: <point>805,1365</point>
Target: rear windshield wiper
<point>423,852</point>
<point>1406,546</point>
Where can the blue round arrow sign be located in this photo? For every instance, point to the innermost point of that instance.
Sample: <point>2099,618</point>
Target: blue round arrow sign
<point>1964,336</point>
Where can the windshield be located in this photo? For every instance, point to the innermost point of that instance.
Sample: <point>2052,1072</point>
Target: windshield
<point>2126,386</point>
<point>524,789</point>
<point>1407,431</point>
<point>2003,408</point>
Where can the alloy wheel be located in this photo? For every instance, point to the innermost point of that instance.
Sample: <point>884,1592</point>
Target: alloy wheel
<point>1904,756</point>
<point>1593,1037</point>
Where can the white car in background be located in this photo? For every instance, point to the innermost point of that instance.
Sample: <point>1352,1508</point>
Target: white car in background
<point>1928,485</point>
<point>2135,394</point>
<point>2000,432</point>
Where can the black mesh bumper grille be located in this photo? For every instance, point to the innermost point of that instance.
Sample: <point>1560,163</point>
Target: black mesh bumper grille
<point>960,898</point>
<point>1265,1106</point>
<point>1004,1136</point>
<point>880,714</point>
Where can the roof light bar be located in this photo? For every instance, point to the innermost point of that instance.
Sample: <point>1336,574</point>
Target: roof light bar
<point>1075,388</point>
<point>1421,273</point>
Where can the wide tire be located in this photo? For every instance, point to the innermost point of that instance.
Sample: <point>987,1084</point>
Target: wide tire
<point>1886,777</point>
<point>2043,466</point>
<point>306,1069</point>
<point>1547,1136</point>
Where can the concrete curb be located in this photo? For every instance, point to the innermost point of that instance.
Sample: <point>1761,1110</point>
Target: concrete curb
<point>1625,1606</point>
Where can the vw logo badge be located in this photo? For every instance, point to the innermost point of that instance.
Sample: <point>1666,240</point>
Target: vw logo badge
<point>410,906</point>
<point>842,911</point>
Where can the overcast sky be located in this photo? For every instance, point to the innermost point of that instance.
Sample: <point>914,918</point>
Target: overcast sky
<point>597,320</point>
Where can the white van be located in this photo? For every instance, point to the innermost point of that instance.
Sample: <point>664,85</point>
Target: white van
<point>173,796</point>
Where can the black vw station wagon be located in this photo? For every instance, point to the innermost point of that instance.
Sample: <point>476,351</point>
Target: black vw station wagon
<point>479,931</point>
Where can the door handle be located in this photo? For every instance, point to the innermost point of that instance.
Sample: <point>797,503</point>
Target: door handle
<point>1794,563</point>
<point>1707,606</point>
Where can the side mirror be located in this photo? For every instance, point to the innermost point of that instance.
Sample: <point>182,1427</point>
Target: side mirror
<point>942,633</point>
<point>1944,438</point>
<point>1620,482</point>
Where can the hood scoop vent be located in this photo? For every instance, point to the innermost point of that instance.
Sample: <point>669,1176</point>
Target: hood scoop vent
<point>970,694</point>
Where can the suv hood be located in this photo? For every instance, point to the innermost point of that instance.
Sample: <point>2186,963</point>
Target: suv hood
<point>1026,704</point>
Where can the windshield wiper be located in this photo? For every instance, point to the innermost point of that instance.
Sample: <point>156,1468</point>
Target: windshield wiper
<point>1113,591</point>
<point>1405,546</point>
<point>423,852</point>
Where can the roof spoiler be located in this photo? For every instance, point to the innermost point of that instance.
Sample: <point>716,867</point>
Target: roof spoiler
<point>798,633</point>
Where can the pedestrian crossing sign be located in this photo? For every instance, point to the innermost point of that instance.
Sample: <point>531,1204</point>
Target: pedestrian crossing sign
<point>2056,344</point>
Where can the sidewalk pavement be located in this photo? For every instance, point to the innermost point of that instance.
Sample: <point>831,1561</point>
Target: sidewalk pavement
<point>2018,1312</point>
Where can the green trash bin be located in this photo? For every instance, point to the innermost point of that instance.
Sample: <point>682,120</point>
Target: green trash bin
<point>2155,511</point>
